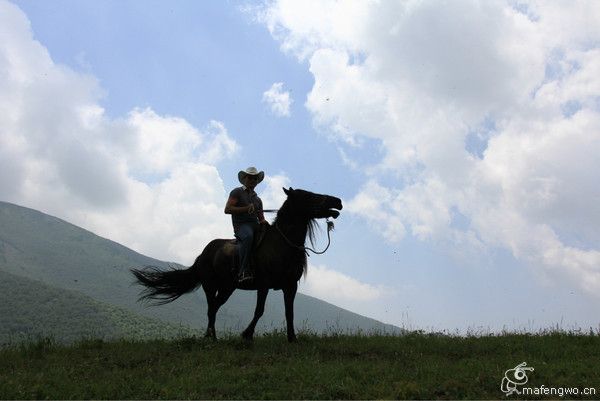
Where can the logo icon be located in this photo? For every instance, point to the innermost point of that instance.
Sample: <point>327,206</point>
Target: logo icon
<point>515,377</point>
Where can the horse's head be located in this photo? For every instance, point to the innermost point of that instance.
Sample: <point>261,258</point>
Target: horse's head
<point>313,206</point>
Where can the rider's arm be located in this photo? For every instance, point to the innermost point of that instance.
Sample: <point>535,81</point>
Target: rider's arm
<point>231,208</point>
<point>260,214</point>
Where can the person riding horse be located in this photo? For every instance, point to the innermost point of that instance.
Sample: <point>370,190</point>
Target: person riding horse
<point>246,210</point>
<point>281,260</point>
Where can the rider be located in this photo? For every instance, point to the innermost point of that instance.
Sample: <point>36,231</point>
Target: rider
<point>246,210</point>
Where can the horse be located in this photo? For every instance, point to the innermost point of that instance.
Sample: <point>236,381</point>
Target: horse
<point>279,262</point>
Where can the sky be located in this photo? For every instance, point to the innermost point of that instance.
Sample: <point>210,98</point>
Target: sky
<point>463,137</point>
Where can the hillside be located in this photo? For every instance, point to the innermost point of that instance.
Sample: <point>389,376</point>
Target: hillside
<point>40,247</point>
<point>31,310</point>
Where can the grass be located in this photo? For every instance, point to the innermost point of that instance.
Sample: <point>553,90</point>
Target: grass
<point>411,366</point>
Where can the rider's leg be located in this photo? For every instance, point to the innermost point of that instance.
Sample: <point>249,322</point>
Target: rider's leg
<point>245,236</point>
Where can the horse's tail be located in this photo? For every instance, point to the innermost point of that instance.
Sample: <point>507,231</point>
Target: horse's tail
<point>166,286</point>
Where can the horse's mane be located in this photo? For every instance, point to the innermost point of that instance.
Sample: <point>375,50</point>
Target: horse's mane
<point>285,214</point>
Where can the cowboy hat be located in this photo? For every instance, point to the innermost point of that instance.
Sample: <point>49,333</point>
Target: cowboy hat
<point>251,171</point>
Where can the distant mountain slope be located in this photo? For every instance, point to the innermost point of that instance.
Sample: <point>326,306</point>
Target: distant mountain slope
<point>31,309</point>
<point>44,248</point>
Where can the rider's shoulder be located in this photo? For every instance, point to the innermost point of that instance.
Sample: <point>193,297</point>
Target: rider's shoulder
<point>236,192</point>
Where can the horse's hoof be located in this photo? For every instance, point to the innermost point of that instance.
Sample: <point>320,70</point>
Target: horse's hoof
<point>292,339</point>
<point>247,336</point>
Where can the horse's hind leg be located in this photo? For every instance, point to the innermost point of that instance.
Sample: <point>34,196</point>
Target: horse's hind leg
<point>261,298</point>
<point>211,295</point>
<point>215,300</point>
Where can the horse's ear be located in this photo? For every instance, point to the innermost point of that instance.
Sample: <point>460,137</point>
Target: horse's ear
<point>287,191</point>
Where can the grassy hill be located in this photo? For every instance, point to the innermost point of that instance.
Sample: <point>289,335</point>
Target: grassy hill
<point>31,309</point>
<point>40,247</point>
<point>413,366</point>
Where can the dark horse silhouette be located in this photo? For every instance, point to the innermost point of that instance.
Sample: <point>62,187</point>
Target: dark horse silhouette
<point>279,260</point>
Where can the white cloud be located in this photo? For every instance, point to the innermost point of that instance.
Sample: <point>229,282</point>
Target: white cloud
<point>278,100</point>
<point>306,26</point>
<point>145,180</point>
<point>338,288</point>
<point>422,77</point>
<point>273,195</point>
<point>376,203</point>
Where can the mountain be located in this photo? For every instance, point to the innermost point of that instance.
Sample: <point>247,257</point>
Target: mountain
<point>62,256</point>
<point>32,310</point>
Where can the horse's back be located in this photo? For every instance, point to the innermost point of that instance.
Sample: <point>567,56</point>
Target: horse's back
<point>219,255</point>
<point>272,269</point>
<point>220,247</point>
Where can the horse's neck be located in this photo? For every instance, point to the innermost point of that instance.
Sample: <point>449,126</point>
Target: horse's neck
<point>290,250</point>
<point>295,230</point>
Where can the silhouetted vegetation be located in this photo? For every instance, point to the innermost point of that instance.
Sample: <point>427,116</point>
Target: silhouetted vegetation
<point>412,366</point>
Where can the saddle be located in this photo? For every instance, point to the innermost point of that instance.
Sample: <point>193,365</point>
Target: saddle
<point>258,238</point>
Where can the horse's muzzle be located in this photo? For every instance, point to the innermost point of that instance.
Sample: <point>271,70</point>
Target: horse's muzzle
<point>336,204</point>
<point>334,213</point>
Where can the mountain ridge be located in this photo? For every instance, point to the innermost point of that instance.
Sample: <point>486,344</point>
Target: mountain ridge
<point>48,249</point>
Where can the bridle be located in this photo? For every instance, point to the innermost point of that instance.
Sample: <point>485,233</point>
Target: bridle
<point>330,227</point>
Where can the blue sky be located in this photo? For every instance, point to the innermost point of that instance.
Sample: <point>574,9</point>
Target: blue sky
<point>463,140</point>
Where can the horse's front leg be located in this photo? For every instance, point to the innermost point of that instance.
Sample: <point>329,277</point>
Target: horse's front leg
<point>289,294</point>
<point>261,298</point>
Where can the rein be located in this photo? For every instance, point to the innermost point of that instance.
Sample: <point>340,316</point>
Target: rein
<point>330,227</point>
